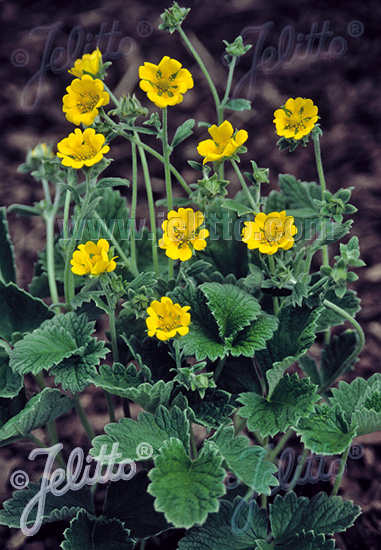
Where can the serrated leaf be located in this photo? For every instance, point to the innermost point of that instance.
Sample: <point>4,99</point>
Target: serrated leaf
<point>56,339</point>
<point>56,508</point>
<point>239,375</point>
<point>96,534</point>
<point>129,502</point>
<point>355,400</point>
<point>238,105</point>
<point>291,399</point>
<point>291,515</point>
<point>40,409</point>
<point>74,373</point>
<point>325,431</point>
<point>236,206</point>
<point>294,336</point>
<point>334,232</point>
<point>310,368</point>
<point>237,526</point>
<point>186,490</point>
<point>20,311</point>
<point>335,353</point>
<point>183,132</point>
<point>232,307</point>
<point>130,384</point>
<point>309,541</point>
<point>112,182</point>
<point>148,428</point>
<point>213,409</point>
<point>245,460</point>
<point>329,318</point>
<point>297,194</point>
<point>7,260</point>
<point>10,382</point>
<point>147,279</point>
<point>255,337</point>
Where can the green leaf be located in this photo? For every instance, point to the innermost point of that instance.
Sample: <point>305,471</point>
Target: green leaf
<point>183,132</point>
<point>41,409</point>
<point>255,337</point>
<point>186,491</point>
<point>203,338</point>
<point>291,399</point>
<point>238,105</point>
<point>75,372</point>
<point>361,403</point>
<point>291,515</point>
<point>239,375</point>
<point>20,311</point>
<point>232,307</point>
<point>148,428</point>
<point>237,526</point>
<point>325,431</point>
<point>10,382</point>
<point>7,260</point>
<point>112,182</point>
<point>335,353</point>
<point>294,336</point>
<point>56,508</point>
<point>96,534</point>
<point>333,232</point>
<point>129,502</point>
<point>329,318</point>
<point>64,336</point>
<point>245,460</point>
<point>128,383</point>
<point>310,368</point>
<point>297,194</point>
<point>309,541</point>
<point>213,409</point>
<point>236,206</point>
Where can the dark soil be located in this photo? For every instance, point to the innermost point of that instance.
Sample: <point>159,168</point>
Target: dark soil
<point>341,75</point>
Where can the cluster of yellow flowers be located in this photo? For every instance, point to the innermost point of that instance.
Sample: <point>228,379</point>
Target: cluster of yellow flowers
<point>81,104</point>
<point>165,85</point>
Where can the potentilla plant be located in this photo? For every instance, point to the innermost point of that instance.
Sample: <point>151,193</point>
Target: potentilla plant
<point>206,314</point>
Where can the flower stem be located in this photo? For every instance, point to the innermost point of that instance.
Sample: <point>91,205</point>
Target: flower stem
<point>239,424</point>
<point>192,442</point>
<point>151,206</point>
<point>319,166</point>
<point>360,344</point>
<point>228,83</point>
<point>340,473</point>
<point>112,96</point>
<point>219,368</point>
<point>279,446</point>
<point>272,271</point>
<point>167,172</point>
<point>66,215</point>
<point>83,418</point>
<point>205,71</point>
<point>244,186</point>
<point>133,206</point>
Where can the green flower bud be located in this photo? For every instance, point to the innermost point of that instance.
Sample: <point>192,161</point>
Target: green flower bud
<point>173,17</point>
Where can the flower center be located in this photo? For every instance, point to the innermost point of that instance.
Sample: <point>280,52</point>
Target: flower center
<point>169,322</point>
<point>85,152</point>
<point>88,102</point>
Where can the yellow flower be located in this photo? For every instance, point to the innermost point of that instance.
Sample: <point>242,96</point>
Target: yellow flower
<point>167,319</point>
<point>270,232</point>
<point>92,259</point>
<point>88,63</point>
<point>165,83</point>
<point>84,96</point>
<point>296,118</point>
<point>82,148</point>
<point>182,234</point>
<point>224,143</point>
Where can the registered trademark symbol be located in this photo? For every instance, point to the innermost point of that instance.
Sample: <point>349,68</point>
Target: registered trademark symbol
<point>144,29</point>
<point>356,451</point>
<point>355,28</point>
